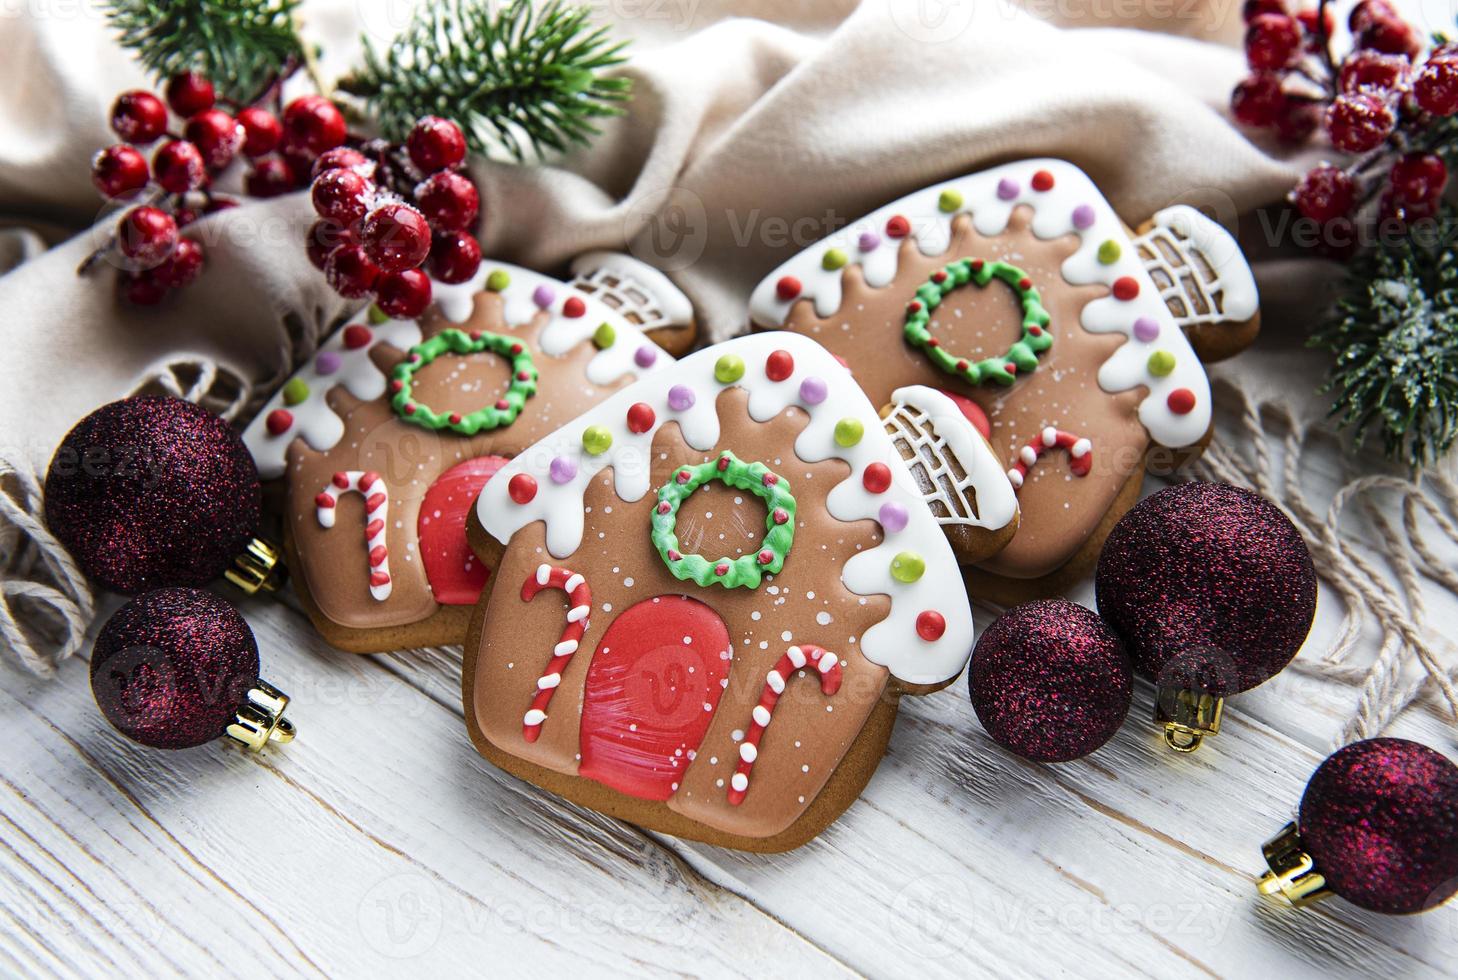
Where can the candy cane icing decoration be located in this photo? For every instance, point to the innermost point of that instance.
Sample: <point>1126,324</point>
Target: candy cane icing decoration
<point>774,685</point>
<point>367,484</point>
<point>580,596</point>
<point>1080,454</point>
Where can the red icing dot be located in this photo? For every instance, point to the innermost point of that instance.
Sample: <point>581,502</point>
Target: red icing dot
<point>574,307</point>
<point>522,488</point>
<point>972,411</point>
<point>1126,288</point>
<point>324,500</point>
<point>279,421</point>
<point>455,418</point>
<point>939,277</point>
<point>787,288</point>
<point>396,384</point>
<point>1025,283</point>
<point>664,508</point>
<point>766,556</point>
<point>1035,330</point>
<point>769,479</point>
<point>779,365</point>
<point>502,405</point>
<point>914,306</point>
<point>898,227</point>
<point>721,569</point>
<point>340,480</point>
<point>781,517</point>
<point>723,463</point>
<point>934,342</point>
<point>455,574</point>
<point>1042,181</point>
<point>516,349</point>
<point>682,476</point>
<point>1010,368</point>
<point>962,365</point>
<point>523,375</point>
<point>409,408</point>
<point>930,625</point>
<point>640,417</point>
<point>357,335</point>
<point>673,555</point>
<point>877,478</point>
<point>977,265</point>
<point>1181,401</point>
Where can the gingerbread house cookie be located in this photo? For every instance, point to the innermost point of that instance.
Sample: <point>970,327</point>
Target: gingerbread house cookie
<point>1071,342</point>
<point>643,295</point>
<point>712,589</point>
<point>384,439</point>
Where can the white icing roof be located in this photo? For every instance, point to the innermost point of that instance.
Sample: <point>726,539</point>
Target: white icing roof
<point>1072,205</point>
<point>893,642</point>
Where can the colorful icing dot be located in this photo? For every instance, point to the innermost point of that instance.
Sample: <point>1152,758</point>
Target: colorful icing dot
<point>787,288</point>
<point>833,259</point>
<point>1181,401</point>
<point>604,336</point>
<point>930,625</point>
<point>522,488</point>
<point>908,566</point>
<point>893,517</point>
<point>1083,217</point>
<point>868,242</point>
<point>543,296</point>
<point>813,390</point>
<point>1126,288</point>
<point>729,369</point>
<point>279,421</point>
<point>562,470</point>
<point>295,391</point>
<point>1042,181</point>
<point>1109,252</point>
<point>596,439</point>
<point>949,201</point>
<point>641,417</point>
<point>1161,363</point>
<point>1008,190</point>
<point>376,315</point>
<point>1146,329</point>
<point>356,336</point>
<point>877,478</point>
<point>680,398</point>
<point>848,432</point>
<point>498,280</point>
<point>574,307</point>
<point>327,362</point>
<point>779,365</point>
<point>898,227</point>
<point>645,356</point>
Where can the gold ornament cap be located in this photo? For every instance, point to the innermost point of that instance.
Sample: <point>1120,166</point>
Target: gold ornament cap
<point>1189,717</point>
<point>260,720</point>
<point>257,568</point>
<point>1293,873</point>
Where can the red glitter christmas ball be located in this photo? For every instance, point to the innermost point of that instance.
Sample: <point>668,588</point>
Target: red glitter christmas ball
<point>151,491</point>
<point>1380,819</point>
<point>1050,681</point>
<point>1210,566</point>
<point>172,667</point>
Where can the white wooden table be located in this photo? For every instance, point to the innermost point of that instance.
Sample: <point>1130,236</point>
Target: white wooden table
<point>380,841</point>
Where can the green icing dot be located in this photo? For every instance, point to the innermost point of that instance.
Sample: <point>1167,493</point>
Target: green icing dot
<point>376,315</point>
<point>833,259</point>
<point>848,432</point>
<point>498,280</point>
<point>1161,363</point>
<point>949,201</point>
<point>604,336</point>
<point>908,567</point>
<point>729,369</point>
<point>1109,252</point>
<point>295,391</point>
<point>597,439</point>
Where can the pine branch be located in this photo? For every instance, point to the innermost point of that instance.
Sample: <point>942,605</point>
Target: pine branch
<point>520,79</point>
<point>241,45</point>
<point>1395,337</point>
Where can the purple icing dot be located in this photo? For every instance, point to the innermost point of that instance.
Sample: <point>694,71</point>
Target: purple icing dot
<point>869,241</point>
<point>893,517</point>
<point>813,390</point>
<point>327,362</point>
<point>645,356</point>
<point>562,470</point>
<point>1083,217</point>
<point>680,398</point>
<point>1146,329</point>
<point>543,295</point>
<point>1008,189</point>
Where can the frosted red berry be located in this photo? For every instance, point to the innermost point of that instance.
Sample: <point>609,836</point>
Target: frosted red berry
<point>181,267</point>
<point>396,237</point>
<point>119,170</point>
<point>262,132</point>
<point>142,289</point>
<point>342,196</point>
<point>1419,178</point>
<point>323,238</point>
<point>1272,41</point>
<point>448,200</point>
<point>454,257</point>
<point>435,144</point>
<point>1307,19</point>
<point>270,177</point>
<point>1325,194</point>
<point>138,117</point>
<point>1252,9</point>
<point>1391,35</point>
<point>1297,121</point>
<point>350,273</point>
<point>1366,12</point>
<point>1436,87</point>
<point>344,157</point>
<point>1258,100</point>
<point>189,93</point>
<point>146,235</point>
<point>1357,122</point>
<point>217,136</point>
<point>403,295</point>
<point>313,123</point>
<point>1372,72</point>
<point>179,167</point>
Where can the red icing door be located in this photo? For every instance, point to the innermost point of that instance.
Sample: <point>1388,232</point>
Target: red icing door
<point>455,574</point>
<point>652,688</point>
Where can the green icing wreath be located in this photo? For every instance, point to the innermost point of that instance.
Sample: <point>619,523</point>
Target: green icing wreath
<point>1022,356</point>
<point>745,570</point>
<point>452,341</point>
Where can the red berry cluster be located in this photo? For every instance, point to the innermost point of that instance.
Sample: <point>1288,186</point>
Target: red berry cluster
<point>1378,102</point>
<point>384,212</point>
